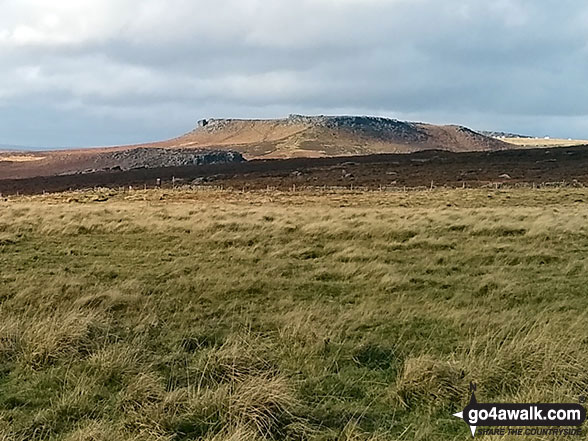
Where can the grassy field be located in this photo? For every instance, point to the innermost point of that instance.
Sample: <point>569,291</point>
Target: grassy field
<point>281,316</point>
<point>541,142</point>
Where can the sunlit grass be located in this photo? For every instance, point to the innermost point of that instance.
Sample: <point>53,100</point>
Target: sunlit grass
<point>544,142</point>
<point>321,316</point>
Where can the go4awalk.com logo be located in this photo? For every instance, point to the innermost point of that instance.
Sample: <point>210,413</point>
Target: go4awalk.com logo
<point>522,419</point>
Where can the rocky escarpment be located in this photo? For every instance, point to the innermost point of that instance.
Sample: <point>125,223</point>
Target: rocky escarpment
<point>367,123</point>
<point>160,157</point>
<point>497,134</point>
<point>300,135</point>
<point>377,127</point>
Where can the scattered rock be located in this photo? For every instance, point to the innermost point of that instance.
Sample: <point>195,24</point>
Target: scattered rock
<point>204,180</point>
<point>138,158</point>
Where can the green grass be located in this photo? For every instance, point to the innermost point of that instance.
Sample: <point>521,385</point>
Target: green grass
<point>336,316</point>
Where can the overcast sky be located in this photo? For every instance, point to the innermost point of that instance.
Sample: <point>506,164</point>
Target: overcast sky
<point>103,72</point>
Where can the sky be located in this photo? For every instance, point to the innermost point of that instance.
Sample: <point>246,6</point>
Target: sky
<point>108,72</point>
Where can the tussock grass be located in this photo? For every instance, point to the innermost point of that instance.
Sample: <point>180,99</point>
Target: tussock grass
<point>214,315</point>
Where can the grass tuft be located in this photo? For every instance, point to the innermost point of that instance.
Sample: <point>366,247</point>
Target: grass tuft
<point>325,316</point>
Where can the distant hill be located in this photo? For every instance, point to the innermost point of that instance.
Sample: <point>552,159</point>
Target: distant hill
<point>11,148</point>
<point>21,148</point>
<point>295,136</point>
<point>317,136</point>
<point>503,135</point>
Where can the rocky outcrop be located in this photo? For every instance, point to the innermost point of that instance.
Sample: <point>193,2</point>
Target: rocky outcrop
<point>368,124</point>
<point>496,134</point>
<point>315,136</point>
<point>159,157</point>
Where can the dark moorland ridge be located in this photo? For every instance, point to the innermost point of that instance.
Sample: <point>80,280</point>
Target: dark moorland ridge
<point>417,169</point>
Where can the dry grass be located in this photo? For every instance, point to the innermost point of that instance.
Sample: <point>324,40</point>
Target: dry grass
<point>541,142</point>
<point>319,316</point>
<point>19,158</point>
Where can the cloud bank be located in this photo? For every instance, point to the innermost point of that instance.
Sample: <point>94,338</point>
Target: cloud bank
<point>95,72</point>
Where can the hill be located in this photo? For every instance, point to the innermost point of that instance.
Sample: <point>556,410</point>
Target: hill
<point>292,137</point>
<point>315,136</point>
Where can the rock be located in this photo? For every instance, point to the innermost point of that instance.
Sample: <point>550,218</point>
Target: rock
<point>382,128</point>
<point>205,179</point>
<point>138,158</point>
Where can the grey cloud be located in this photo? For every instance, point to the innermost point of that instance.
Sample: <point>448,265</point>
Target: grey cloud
<point>144,70</point>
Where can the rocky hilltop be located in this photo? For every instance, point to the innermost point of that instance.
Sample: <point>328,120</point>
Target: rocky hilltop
<point>235,140</point>
<point>317,136</point>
